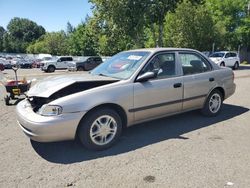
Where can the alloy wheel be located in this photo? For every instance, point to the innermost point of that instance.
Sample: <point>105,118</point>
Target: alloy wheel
<point>103,130</point>
<point>215,103</point>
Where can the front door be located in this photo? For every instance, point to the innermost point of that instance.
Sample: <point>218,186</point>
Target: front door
<point>162,95</point>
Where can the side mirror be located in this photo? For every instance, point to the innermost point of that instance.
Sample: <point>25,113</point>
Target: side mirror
<point>59,60</point>
<point>146,76</point>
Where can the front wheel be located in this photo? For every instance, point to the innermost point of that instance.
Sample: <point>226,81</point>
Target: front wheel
<point>222,64</point>
<point>80,68</point>
<point>100,129</point>
<point>51,69</point>
<point>213,104</point>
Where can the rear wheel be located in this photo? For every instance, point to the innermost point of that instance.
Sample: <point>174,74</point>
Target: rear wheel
<point>100,129</point>
<point>236,66</point>
<point>213,103</point>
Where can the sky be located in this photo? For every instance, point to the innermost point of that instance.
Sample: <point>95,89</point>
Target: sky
<point>53,15</point>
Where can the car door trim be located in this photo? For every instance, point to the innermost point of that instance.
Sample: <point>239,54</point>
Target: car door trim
<point>165,103</point>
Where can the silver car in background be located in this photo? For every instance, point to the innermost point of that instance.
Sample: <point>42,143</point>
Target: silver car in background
<point>131,87</point>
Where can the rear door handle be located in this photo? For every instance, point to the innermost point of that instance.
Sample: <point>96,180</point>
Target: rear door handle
<point>211,79</point>
<point>177,85</point>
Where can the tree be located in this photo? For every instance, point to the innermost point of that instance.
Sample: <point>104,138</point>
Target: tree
<point>125,17</point>
<point>229,16</point>
<point>54,43</point>
<point>2,32</point>
<point>83,41</point>
<point>156,12</point>
<point>21,32</point>
<point>190,26</point>
<point>70,28</point>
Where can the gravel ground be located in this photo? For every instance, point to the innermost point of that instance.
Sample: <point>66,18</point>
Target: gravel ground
<point>186,150</point>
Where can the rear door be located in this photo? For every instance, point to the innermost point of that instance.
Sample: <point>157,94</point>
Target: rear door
<point>229,59</point>
<point>198,79</point>
<point>162,95</point>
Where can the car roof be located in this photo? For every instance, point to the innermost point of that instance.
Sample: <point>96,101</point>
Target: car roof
<point>153,50</point>
<point>224,52</point>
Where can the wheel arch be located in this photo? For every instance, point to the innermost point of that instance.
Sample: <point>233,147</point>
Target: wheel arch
<point>51,65</point>
<point>113,106</point>
<point>220,88</point>
<point>80,66</point>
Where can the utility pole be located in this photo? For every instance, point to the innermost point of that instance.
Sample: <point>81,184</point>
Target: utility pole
<point>213,48</point>
<point>248,8</point>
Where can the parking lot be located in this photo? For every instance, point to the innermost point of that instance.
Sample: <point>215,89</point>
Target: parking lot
<point>187,150</point>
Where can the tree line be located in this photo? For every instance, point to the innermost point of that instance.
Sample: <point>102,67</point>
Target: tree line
<point>118,25</point>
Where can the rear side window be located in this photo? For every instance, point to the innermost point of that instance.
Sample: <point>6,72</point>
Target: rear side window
<point>66,59</point>
<point>193,63</point>
<point>233,55</point>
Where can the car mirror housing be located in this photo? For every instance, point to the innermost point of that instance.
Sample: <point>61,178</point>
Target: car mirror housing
<point>146,76</point>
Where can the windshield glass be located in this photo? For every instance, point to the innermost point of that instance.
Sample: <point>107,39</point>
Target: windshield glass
<point>217,55</point>
<point>121,65</point>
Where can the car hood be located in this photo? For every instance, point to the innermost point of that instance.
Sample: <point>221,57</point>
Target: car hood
<point>50,85</point>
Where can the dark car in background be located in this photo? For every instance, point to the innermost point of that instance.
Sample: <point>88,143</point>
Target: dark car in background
<point>25,63</point>
<point>85,64</point>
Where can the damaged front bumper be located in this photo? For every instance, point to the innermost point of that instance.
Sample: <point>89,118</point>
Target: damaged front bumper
<point>47,128</point>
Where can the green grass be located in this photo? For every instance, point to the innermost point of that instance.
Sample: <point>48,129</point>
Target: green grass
<point>244,63</point>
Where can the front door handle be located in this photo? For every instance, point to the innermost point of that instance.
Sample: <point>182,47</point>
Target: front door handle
<point>177,85</point>
<point>211,79</point>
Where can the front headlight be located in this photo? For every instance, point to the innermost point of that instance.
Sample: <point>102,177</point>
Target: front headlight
<point>50,110</point>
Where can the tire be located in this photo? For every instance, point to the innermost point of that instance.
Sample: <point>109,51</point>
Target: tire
<point>7,100</point>
<point>106,136</point>
<point>211,108</point>
<point>236,66</point>
<point>51,69</point>
<point>222,64</point>
<point>80,68</point>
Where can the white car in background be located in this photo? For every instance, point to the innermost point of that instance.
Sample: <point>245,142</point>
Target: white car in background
<point>226,58</point>
<point>56,64</point>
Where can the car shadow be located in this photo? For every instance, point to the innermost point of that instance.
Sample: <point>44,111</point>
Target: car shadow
<point>244,67</point>
<point>136,137</point>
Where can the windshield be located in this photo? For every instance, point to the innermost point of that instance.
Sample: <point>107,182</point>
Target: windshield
<point>121,65</point>
<point>217,55</point>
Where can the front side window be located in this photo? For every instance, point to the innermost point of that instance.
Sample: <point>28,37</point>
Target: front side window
<point>62,59</point>
<point>69,59</point>
<point>233,55</point>
<point>162,64</point>
<point>97,59</point>
<point>227,55</point>
<point>193,63</point>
